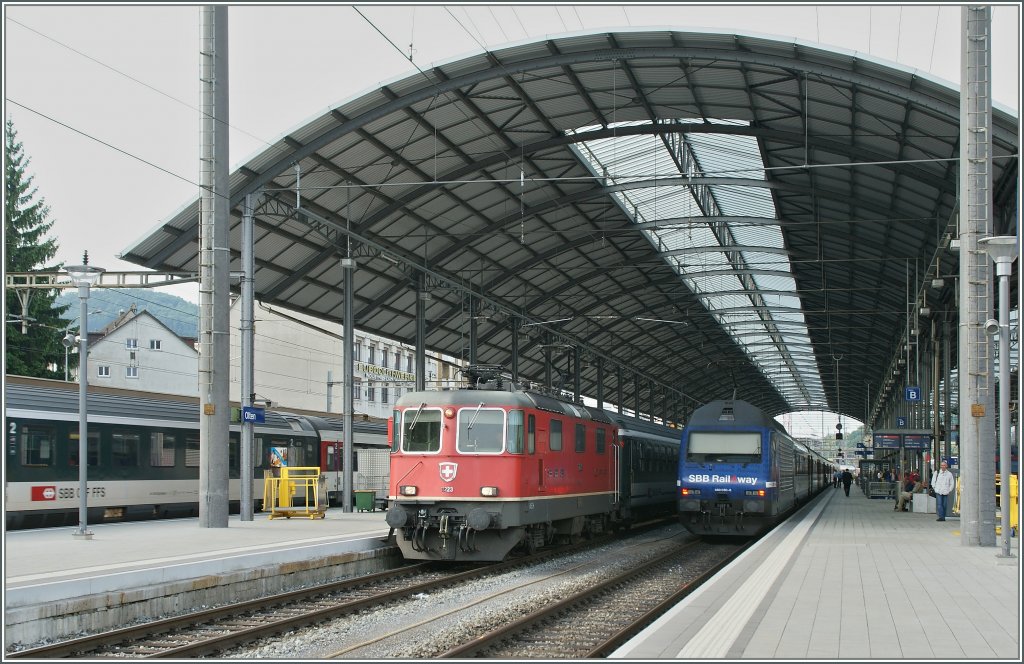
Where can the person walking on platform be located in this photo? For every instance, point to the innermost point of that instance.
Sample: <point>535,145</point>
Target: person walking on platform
<point>847,478</point>
<point>943,486</point>
<point>835,479</point>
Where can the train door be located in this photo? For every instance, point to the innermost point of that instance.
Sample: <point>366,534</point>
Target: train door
<point>331,452</point>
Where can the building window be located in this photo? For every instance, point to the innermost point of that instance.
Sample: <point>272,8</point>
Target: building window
<point>408,363</point>
<point>384,395</point>
<point>103,371</point>
<point>357,350</point>
<point>131,372</point>
<point>369,391</point>
<point>154,344</point>
<point>357,389</point>
<point>371,355</point>
<point>131,343</point>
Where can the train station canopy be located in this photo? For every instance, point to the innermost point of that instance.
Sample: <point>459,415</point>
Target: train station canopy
<point>700,214</point>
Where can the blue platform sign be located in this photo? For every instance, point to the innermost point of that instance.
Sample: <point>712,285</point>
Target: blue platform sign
<point>886,441</point>
<point>912,394</point>
<point>912,441</point>
<point>251,414</point>
<point>901,422</point>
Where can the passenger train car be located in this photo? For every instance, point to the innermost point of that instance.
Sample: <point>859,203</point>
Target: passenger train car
<point>740,473</point>
<point>143,453</point>
<point>479,471</point>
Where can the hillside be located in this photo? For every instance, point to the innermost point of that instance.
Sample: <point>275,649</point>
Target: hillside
<point>180,315</point>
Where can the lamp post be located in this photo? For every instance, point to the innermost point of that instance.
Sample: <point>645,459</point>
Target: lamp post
<point>83,276</point>
<point>1003,250</point>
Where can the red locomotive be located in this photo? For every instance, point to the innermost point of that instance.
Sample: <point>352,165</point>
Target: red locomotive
<point>478,471</point>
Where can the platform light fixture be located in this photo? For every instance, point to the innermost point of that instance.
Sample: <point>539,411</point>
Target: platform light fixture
<point>84,276</point>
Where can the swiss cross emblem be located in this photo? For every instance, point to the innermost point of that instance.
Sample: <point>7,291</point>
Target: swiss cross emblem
<point>448,470</point>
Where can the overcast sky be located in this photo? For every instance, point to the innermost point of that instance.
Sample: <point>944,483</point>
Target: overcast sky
<point>104,98</point>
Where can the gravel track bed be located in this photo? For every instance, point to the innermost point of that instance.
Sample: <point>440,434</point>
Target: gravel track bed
<point>433,623</point>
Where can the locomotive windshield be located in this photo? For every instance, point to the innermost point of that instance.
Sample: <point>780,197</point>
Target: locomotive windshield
<point>421,430</point>
<point>724,447</point>
<point>480,430</point>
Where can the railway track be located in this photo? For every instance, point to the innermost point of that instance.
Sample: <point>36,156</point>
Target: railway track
<point>597,620</point>
<point>216,630</point>
<point>582,609</point>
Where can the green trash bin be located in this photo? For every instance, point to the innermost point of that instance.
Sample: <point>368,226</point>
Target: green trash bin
<point>364,500</point>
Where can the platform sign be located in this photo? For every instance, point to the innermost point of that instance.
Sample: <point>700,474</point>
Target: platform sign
<point>917,441</point>
<point>912,393</point>
<point>901,422</point>
<point>255,415</point>
<point>889,441</point>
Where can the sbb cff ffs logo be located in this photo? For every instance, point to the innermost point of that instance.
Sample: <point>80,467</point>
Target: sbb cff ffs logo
<point>44,493</point>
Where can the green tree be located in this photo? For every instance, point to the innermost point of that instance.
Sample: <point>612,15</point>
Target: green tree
<point>27,249</point>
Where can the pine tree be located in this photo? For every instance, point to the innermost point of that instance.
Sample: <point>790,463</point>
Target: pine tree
<point>27,250</point>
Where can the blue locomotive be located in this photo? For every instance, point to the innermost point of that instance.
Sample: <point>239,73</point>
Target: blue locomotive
<point>740,472</point>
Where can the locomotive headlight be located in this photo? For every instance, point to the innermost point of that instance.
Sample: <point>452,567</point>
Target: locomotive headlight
<point>756,492</point>
<point>489,491</point>
<point>407,490</point>
<point>449,413</point>
<point>689,492</point>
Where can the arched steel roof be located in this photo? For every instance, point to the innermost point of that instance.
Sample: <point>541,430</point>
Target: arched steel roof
<point>710,211</point>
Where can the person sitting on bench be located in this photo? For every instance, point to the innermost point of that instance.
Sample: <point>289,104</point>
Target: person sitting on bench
<point>907,494</point>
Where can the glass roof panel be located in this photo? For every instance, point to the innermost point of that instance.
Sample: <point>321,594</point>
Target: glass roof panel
<point>749,292</point>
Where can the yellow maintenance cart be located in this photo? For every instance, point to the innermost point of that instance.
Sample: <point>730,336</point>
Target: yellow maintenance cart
<point>296,492</point>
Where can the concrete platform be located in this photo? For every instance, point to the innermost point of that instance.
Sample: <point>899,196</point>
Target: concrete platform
<point>56,585</point>
<point>849,578</point>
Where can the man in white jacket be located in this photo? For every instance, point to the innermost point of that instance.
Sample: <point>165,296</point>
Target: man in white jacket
<point>943,484</point>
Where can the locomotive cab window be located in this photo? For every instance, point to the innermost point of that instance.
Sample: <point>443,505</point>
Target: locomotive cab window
<point>724,447</point>
<point>421,430</point>
<point>481,430</point>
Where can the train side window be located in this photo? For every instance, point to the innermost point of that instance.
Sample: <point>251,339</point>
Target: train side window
<point>124,449</point>
<point>234,453</point>
<point>192,451</point>
<point>515,432</point>
<point>93,448</point>
<point>555,437</point>
<point>37,445</point>
<point>599,445</point>
<point>531,434</point>
<point>161,450</point>
<point>581,438</point>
